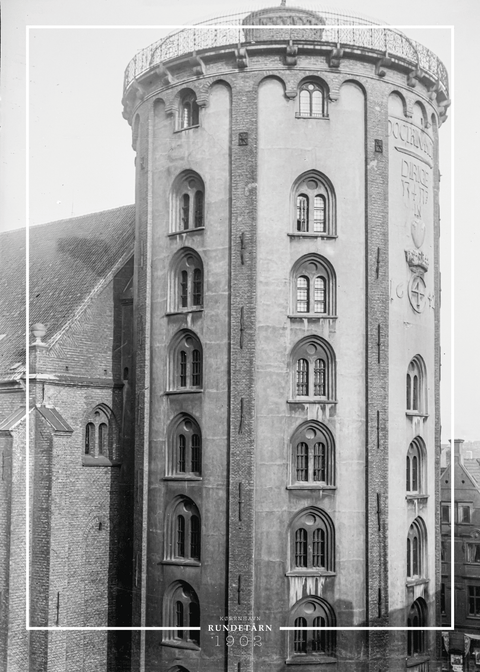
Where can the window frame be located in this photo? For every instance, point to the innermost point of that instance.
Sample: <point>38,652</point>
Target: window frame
<point>416,451</point>
<point>187,103</point>
<point>310,434</point>
<point>311,349</point>
<point>310,268</point>
<point>186,272</point>
<point>312,521</point>
<point>416,548</point>
<point>184,196</point>
<point>311,86</point>
<point>417,639</point>
<point>311,185</point>
<point>180,533</point>
<point>181,592</point>
<point>187,426</point>
<point>416,388</point>
<point>100,437</point>
<point>473,594</point>
<point>307,612</point>
<point>183,371</point>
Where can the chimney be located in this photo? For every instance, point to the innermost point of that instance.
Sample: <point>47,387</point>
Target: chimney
<point>457,450</point>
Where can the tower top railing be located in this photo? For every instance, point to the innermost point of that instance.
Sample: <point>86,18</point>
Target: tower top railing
<point>336,28</point>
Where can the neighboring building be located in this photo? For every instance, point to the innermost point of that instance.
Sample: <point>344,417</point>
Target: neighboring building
<point>80,421</point>
<point>281,463</point>
<point>465,517</point>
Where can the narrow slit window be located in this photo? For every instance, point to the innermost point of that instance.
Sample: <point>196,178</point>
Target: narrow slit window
<point>181,454</point>
<point>319,462</point>
<point>302,462</point>
<point>198,209</point>
<point>301,548</point>
<point>302,213</point>
<point>197,287</point>
<point>195,538</point>
<point>180,536</point>
<point>183,369</point>
<point>195,465</point>
<point>300,636</point>
<point>302,378</point>
<point>302,294</point>
<point>319,214</point>
<point>318,558</point>
<point>185,211</point>
<point>179,618</point>
<point>196,368</point>
<point>184,289</point>
<point>103,439</point>
<point>319,378</point>
<point>320,295</point>
<point>90,439</point>
<point>318,637</point>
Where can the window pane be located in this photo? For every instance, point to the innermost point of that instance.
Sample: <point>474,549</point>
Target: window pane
<point>180,536</point>
<point>198,209</point>
<point>186,115</point>
<point>196,369</point>
<point>319,462</point>
<point>415,394</point>
<point>90,439</point>
<point>183,369</point>
<point>300,636</point>
<point>184,289</point>
<point>179,618</point>
<point>302,294</point>
<point>196,464</point>
<point>197,287</point>
<point>301,548</point>
<point>195,537</point>
<point>302,378</point>
<point>319,378</point>
<point>103,439</point>
<point>408,474</point>
<point>415,563</point>
<point>414,474</point>
<point>318,556</point>
<point>409,384</point>
<point>319,294</point>
<point>185,214</point>
<point>304,104</point>
<point>181,454</point>
<point>302,213</point>
<point>302,462</point>
<point>319,214</point>
<point>319,644</point>
<point>409,557</point>
<point>317,103</point>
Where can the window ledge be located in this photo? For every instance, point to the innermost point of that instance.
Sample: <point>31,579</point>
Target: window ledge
<point>303,116</point>
<point>309,400</point>
<point>311,486</point>
<point>187,390</point>
<point>311,316</point>
<point>181,644</point>
<point>416,414</point>
<point>311,660</point>
<point>179,233</point>
<point>100,461</point>
<point>184,311</point>
<point>417,582</point>
<point>180,562</point>
<point>187,128</point>
<point>306,234</point>
<point>412,661</point>
<point>174,477</point>
<point>416,497</point>
<point>310,572</point>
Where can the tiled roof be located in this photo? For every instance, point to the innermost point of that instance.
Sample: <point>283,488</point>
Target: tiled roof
<point>473,468</point>
<point>68,258</point>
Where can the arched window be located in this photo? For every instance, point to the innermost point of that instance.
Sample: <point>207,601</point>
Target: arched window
<point>311,646</point>
<point>99,433</point>
<point>188,115</point>
<point>416,387</point>
<point>185,362</point>
<point>313,287</point>
<point>182,532</point>
<point>313,367</point>
<point>184,448</point>
<point>312,100</point>
<point>312,543</point>
<point>416,550</point>
<point>417,618</point>
<point>315,207</point>
<point>188,203</point>
<point>416,467</point>
<point>181,610</point>
<point>185,281</point>
<point>313,456</point>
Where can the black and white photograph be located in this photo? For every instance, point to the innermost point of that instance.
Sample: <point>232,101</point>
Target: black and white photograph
<point>239,424</point>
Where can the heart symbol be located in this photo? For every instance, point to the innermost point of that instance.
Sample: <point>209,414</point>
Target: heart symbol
<point>418,232</point>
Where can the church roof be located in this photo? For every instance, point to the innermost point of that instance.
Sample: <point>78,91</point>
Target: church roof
<point>68,259</point>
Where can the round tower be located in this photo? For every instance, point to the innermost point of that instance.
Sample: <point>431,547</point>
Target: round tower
<point>287,342</point>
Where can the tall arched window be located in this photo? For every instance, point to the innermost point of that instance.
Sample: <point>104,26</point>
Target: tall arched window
<point>417,618</point>
<point>100,440</point>
<point>416,387</point>
<point>416,467</point>
<point>313,367</point>
<point>188,203</point>
<point>312,99</point>
<point>416,550</point>
<point>315,206</point>
<point>313,456</point>
<point>185,281</point>
<point>181,610</point>
<point>313,287</point>
<point>188,113</point>
<point>185,362</point>
<point>311,646</point>
<point>312,543</point>
<point>184,448</point>
<point>182,532</point>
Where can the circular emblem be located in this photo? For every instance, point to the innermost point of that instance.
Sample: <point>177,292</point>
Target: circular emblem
<point>417,293</point>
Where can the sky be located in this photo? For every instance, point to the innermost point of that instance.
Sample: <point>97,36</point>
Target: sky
<point>81,160</point>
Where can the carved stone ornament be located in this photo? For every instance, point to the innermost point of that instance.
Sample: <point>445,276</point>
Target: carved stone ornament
<point>418,230</point>
<point>241,56</point>
<point>417,261</point>
<point>417,293</point>
<point>286,24</point>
